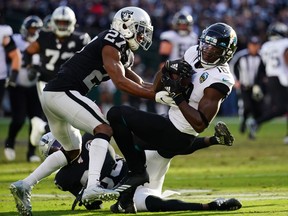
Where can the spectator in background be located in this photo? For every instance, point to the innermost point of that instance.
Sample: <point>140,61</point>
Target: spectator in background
<point>23,97</point>
<point>274,55</point>
<point>12,64</point>
<point>54,48</point>
<point>174,42</point>
<point>245,66</point>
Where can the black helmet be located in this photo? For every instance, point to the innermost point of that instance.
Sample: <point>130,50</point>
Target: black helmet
<point>31,22</point>
<point>218,44</point>
<point>277,30</point>
<point>182,22</point>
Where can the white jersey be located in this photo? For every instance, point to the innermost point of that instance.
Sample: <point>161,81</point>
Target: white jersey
<point>5,30</point>
<point>201,79</point>
<point>272,53</point>
<point>22,78</point>
<point>179,43</point>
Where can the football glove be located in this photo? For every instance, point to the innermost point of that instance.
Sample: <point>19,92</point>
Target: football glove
<point>257,93</point>
<point>11,81</point>
<point>33,72</point>
<point>163,97</point>
<point>174,88</point>
<point>179,66</point>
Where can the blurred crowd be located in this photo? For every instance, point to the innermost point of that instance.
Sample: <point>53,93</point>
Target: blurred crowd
<point>247,17</point>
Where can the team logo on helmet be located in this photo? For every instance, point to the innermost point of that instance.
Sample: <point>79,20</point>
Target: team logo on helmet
<point>126,15</point>
<point>203,77</point>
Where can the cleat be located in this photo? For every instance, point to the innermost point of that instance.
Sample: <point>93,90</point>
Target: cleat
<point>222,204</point>
<point>132,181</point>
<point>93,193</point>
<point>34,159</point>
<point>117,208</point>
<point>38,129</point>
<point>22,196</point>
<point>252,128</point>
<point>10,154</point>
<point>222,134</point>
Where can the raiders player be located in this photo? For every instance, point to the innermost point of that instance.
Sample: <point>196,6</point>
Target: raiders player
<point>69,110</point>
<point>54,47</point>
<point>196,106</point>
<point>73,178</point>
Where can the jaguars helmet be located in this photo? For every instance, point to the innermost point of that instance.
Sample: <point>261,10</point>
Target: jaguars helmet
<point>217,45</point>
<point>277,30</point>
<point>182,23</point>
<point>48,144</point>
<point>47,23</point>
<point>31,22</point>
<point>135,25</point>
<point>63,21</point>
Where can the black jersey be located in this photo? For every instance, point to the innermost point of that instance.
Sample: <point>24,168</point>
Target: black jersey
<point>72,176</point>
<point>85,69</point>
<point>53,53</point>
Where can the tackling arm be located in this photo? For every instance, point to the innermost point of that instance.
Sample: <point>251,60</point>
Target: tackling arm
<point>117,73</point>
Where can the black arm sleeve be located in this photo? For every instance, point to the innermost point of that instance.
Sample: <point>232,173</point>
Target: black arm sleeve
<point>10,46</point>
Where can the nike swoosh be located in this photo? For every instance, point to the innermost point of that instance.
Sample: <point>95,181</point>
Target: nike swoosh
<point>225,80</point>
<point>163,100</point>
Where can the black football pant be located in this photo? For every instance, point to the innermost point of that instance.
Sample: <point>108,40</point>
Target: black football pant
<point>24,103</point>
<point>135,131</point>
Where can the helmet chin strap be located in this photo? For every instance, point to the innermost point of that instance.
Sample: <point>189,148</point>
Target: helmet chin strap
<point>133,44</point>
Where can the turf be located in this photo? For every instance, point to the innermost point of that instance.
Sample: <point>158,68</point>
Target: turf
<point>255,172</point>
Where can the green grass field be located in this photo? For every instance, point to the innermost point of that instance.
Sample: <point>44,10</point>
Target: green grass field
<point>255,172</point>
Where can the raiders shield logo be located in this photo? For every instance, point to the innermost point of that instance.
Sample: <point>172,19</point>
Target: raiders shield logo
<point>126,15</point>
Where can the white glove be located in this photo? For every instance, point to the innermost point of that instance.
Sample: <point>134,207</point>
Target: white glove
<point>257,93</point>
<point>164,98</point>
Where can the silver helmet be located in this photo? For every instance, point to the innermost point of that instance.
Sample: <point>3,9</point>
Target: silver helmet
<point>135,25</point>
<point>63,21</point>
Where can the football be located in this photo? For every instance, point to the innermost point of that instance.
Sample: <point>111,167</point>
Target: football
<point>184,81</point>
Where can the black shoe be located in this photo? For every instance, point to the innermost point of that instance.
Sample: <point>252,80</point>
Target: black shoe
<point>131,181</point>
<point>223,135</point>
<point>118,208</point>
<point>222,204</point>
<point>94,205</point>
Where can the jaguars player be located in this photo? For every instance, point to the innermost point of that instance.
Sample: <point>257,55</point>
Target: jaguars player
<point>274,53</point>
<point>174,42</point>
<point>68,109</point>
<point>197,104</point>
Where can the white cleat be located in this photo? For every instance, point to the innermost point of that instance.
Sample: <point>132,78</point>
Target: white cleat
<point>22,196</point>
<point>10,154</point>
<point>38,129</point>
<point>97,192</point>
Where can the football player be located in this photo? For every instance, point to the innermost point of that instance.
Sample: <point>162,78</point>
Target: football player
<point>73,178</point>
<point>69,110</point>
<point>195,104</point>
<point>174,42</point>
<point>23,96</point>
<point>54,46</point>
<point>10,50</point>
<point>274,53</point>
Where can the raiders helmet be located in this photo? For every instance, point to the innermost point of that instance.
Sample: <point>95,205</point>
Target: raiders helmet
<point>63,21</point>
<point>135,25</point>
<point>48,144</point>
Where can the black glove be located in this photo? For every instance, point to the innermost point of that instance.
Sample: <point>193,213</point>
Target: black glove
<point>33,72</point>
<point>179,66</point>
<point>11,81</point>
<point>174,88</point>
